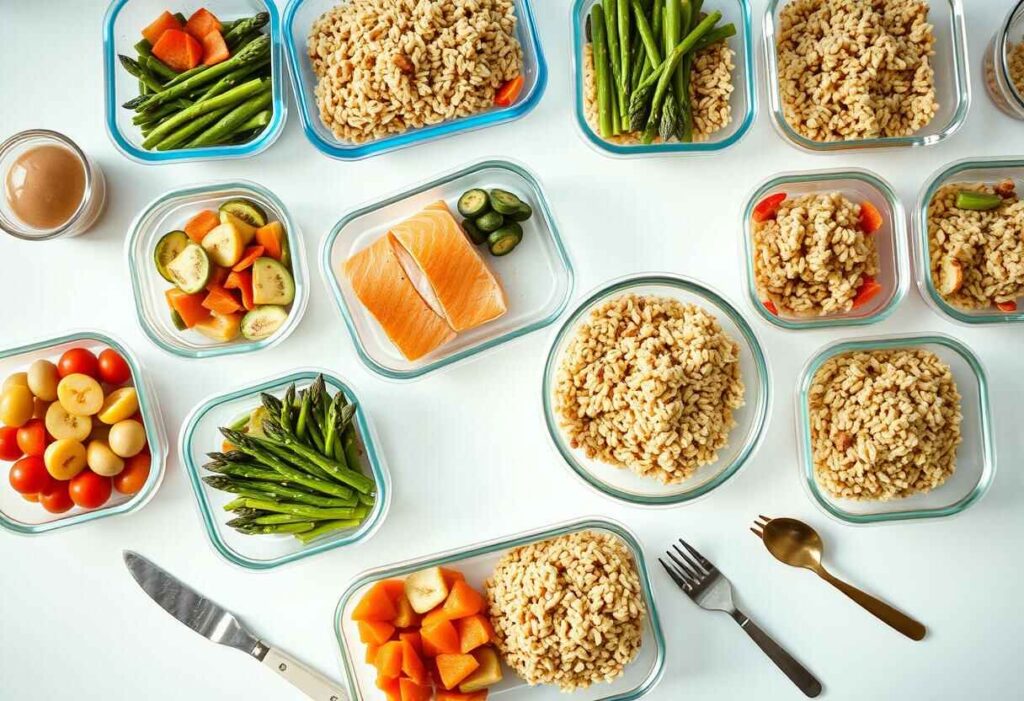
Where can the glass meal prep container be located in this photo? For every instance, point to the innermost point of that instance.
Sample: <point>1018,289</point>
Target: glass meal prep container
<point>122,28</point>
<point>200,435</point>
<point>169,212</point>
<point>999,81</point>
<point>976,461</point>
<point>537,276</point>
<point>857,185</point>
<point>622,484</point>
<point>299,17</point>
<point>743,100</point>
<point>28,518</point>
<point>952,83</point>
<point>477,562</point>
<point>989,170</point>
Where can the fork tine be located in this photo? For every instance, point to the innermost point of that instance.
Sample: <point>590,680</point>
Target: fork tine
<point>685,567</point>
<point>764,518</point>
<point>693,565</point>
<point>700,558</point>
<point>757,532</point>
<point>680,582</point>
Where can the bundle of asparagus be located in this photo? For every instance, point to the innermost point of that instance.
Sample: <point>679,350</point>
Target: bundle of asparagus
<point>642,53</point>
<point>226,103</point>
<point>295,465</point>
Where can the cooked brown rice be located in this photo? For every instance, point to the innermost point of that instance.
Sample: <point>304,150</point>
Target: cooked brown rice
<point>1016,65</point>
<point>649,383</point>
<point>567,611</point>
<point>385,66</point>
<point>885,424</point>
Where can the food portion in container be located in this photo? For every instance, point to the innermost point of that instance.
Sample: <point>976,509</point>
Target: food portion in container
<point>850,70</point>
<point>386,66</point>
<point>815,254</point>
<point>655,72</point>
<point>976,245</point>
<point>296,465</point>
<point>73,431</point>
<point>650,384</point>
<point>202,81</point>
<point>884,424</point>
<point>231,271</point>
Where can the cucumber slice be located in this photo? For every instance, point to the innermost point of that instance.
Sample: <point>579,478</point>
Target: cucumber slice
<point>524,212</point>
<point>504,202</point>
<point>178,322</point>
<point>473,232</point>
<point>489,222</point>
<point>190,269</point>
<point>502,241</point>
<point>271,283</point>
<point>263,322</point>
<point>473,203</point>
<point>246,210</point>
<point>167,249</point>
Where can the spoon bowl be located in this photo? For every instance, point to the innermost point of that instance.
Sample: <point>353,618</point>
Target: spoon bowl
<point>793,543</point>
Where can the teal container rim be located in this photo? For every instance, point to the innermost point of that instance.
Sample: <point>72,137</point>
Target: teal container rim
<point>899,235</point>
<point>339,299</point>
<point>151,420</point>
<point>922,247</point>
<point>194,472</point>
<point>1002,44</point>
<point>453,556</point>
<point>758,426</point>
<point>140,155</point>
<point>962,89</point>
<point>806,466</point>
<point>704,147</point>
<point>299,272</point>
<point>410,137</point>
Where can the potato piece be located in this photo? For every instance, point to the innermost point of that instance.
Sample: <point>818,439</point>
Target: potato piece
<point>102,460</point>
<point>17,378</point>
<point>119,405</point>
<point>43,379</point>
<point>16,405</point>
<point>64,458</point>
<point>61,424</point>
<point>80,394</point>
<point>127,438</point>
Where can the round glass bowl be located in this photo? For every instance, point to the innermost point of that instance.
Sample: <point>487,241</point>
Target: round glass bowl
<point>743,100</point>
<point>27,518</point>
<point>952,83</point>
<point>94,196</point>
<point>999,82</point>
<point>975,463</point>
<point>200,435</point>
<point>171,211</point>
<point>987,170</point>
<point>858,186</point>
<point>751,419</point>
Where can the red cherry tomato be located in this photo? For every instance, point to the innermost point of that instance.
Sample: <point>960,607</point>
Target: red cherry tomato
<point>89,490</point>
<point>113,368</point>
<point>56,499</point>
<point>33,438</point>
<point>9,449</point>
<point>34,498</point>
<point>131,479</point>
<point>78,360</point>
<point>29,476</point>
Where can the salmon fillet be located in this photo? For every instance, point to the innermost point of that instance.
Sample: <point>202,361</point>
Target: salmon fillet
<point>466,290</point>
<point>384,288</point>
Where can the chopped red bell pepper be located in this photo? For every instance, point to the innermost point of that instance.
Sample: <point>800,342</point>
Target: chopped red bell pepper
<point>767,208</point>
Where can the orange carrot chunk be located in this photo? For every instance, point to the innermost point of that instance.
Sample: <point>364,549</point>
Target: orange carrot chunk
<point>201,224</point>
<point>412,664</point>
<point>375,632</point>
<point>768,207</point>
<point>221,301</point>
<point>462,601</point>
<point>868,289</point>
<point>178,49</point>
<point>218,276</point>
<point>249,256</point>
<point>413,638</point>
<point>440,638</point>
<point>406,617</point>
<point>474,631</point>
<point>215,49</point>
<point>445,695</point>
<point>241,281</point>
<point>160,25</point>
<point>371,654</point>
<point>508,92</point>
<point>451,577</point>
<point>454,668</point>
<point>189,307</point>
<point>411,690</point>
<point>389,660</point>
<point>201,23</point>
<point>870,218</point>
<point>390,687</point>
<point>376,605</point>
<point>271,237</point>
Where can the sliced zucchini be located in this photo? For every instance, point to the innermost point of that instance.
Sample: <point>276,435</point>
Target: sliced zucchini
<point>489,222</point>
<point>524,212</point>
<point>473,232</point>
<point>473,203</point>
<point>504,202</point>
<point>247,230</point>
<point>224,244</point>
<point>190,269</point>
<point>502,241</point>
<point>271,283</point>
<point>178,322</point>
<point>247,210</point>
<point>263,322</point>
<point>167,249</point>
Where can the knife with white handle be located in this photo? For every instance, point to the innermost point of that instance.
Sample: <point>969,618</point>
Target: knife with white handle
<point>219,625</point>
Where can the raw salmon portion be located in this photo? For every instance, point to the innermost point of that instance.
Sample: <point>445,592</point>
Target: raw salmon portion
<point>384,288</point>
<point>465,288</point>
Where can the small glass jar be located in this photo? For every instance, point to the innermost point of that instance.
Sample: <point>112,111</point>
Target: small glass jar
<point>999,81</point>
<point>94,195</point>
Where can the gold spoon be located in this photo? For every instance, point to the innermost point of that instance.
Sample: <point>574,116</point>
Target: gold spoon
<point>797,544</point>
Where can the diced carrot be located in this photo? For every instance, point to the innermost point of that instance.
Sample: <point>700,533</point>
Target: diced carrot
<point>226,446</point>
<point>375,632</point>
<point>463,600</point>
<point>215,49</point>
<point>406,617</point>
<point>474,631</point>
<point>770,306</point>
<point>218,276</point>
<point>413,638</point>
<point>189,307</point>
<point>431,619</point>
<point>870,218</point>
<point>451,577</point>
<point>1010,306</point>
<point>412,690</point>
<point>178,49</point>
<point>241,281</point>
<point>221,301</point>
<point>508,92</point>
<point>201,23</point>
<point>446,695</point>
<point>440,638</point>
<point>394,587</point>
<point>768,207</point>
<point>271,237</point>
<point>412,665</point>
<point>390,687</point>
<point>371,653</point>
<point>160,25</point>
<point>376,605</point>
<point>455,668</point>
<point>868,289</point>
<point>389,660</point>
<point>249,256</point>
<point>201,224</point>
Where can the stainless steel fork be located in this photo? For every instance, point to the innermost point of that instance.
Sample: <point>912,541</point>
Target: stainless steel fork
<point>702,582</point>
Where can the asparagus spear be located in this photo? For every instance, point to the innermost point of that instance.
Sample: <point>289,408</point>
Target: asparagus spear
<point>247,445</point>
<point>325,527</point>
<point>257,122</point>
<point>350,444</point>
<point>625,36</point>
<point>296,528</point>
<point>269,490</point>
<point>714,36</point>
<point>244,27</point>
<point>289,458</point>
<point>272,477</point>
<point>602,71</point>
<point>311,512</point>
<point>236,77</point>
<point>229,99</point>
<point>354,479</point>
<point>158,114</point>
<point>231,122</point>
<point>611,22</point>
<point>181,136</point>
<point>135,69</point>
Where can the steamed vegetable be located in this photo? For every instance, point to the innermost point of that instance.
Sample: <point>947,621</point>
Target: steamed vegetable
<point>493,217</point>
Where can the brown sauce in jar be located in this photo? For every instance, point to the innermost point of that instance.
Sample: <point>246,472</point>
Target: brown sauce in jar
<point>45,186</point>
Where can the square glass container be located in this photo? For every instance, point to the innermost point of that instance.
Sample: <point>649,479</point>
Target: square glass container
<point>122,29</point>
<point>743,99</point>
<point>27,518</point>
<point>477,562</point>
<point>200,435</point>
<point>989,170</point>
<point>857,185</point>
<point>624,485</point>
<point>952,83</point>
<point>169,212</point>
<point>975,463</point>
<point>537,276</point>
<point>299,17</point>
<point>998,82</point>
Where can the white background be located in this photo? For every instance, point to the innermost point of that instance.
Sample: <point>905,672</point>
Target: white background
<point>467,449</point>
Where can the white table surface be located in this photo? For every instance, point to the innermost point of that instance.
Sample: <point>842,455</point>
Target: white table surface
<point>469,455</point>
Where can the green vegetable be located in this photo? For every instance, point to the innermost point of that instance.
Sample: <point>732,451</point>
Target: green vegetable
<point>521,214</point>
<point>235,77</point>
<point>245,27</point>
<point>473,232</point>
<point>263,321</point>
<point>489,222</point>
<point>325,527</point>
<point>272,283</point>
<point>310,512</point>
<point>246,210</point>
<point>167,249</point>
<point>257,122</point>
<point>502,241</point>
<point>296,528</point>
<point>230,123</point>
<point>977,201</point>
<point>292,474</point>
<point>190,269</point>
<point>137,70</point>
<point>602,72</point>
<point>268,490</point>
<point>178,322</point>
<point>229,99</point>
<point>504,202</point>
<point>473,203</point>
<point>625,37</point>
